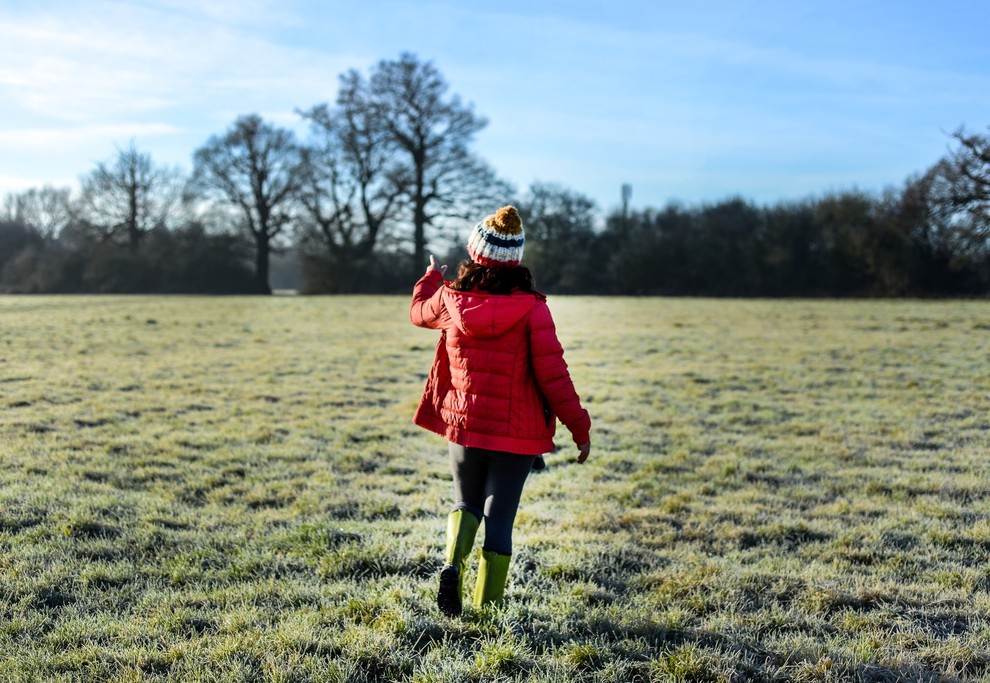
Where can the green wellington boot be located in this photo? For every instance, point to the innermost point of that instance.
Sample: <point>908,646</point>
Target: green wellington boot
<point>492,574</point>
<point>461,529</point>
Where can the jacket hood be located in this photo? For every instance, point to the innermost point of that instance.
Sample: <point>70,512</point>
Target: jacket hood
<point>483,315</point>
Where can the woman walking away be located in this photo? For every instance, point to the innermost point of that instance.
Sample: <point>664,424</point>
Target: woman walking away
<point>497,385</point>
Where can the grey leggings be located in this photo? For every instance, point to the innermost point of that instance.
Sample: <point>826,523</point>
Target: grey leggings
<point>489,484</point>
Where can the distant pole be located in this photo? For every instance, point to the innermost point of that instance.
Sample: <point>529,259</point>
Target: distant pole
<point>626,196</point>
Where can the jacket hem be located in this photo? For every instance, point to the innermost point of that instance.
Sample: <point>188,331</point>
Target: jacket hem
<point>491,442</point>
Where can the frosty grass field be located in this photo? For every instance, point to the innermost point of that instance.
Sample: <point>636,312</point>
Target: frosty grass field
<point>230,489</point>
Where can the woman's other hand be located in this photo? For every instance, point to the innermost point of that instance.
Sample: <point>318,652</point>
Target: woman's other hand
<point>585,451</point>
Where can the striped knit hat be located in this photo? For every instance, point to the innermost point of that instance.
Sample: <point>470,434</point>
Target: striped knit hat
<point>498,239</point>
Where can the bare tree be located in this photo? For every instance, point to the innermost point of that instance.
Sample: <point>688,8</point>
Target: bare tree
<point>125,198</point>
<point>351,189</point>
<point>968,175</point>
<point>254,168</point>
<point>428,134</point>
<point>47,210</point>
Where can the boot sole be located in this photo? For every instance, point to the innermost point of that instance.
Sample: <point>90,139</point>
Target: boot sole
<point>449,595</point>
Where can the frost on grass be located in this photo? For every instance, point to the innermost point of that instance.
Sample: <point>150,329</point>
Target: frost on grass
<point>788,491</point>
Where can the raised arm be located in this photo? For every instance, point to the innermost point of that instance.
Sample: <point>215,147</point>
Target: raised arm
<point>424,311</point>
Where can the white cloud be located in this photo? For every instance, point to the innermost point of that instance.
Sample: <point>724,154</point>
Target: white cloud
<point>86,67</point>
<point>36,139</point>
<point>13,184</point>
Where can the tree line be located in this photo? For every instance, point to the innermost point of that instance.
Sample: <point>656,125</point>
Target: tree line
<point>387,173</point>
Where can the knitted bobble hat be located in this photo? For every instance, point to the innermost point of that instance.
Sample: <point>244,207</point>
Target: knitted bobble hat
<point>498,239</point>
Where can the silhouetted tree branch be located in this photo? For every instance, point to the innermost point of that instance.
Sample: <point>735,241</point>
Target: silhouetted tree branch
<point>428,133</point>
<point>967,175</point>
<point>350,178</point>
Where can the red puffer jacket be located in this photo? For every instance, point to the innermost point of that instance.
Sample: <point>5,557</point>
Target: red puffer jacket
<point>498,357</point>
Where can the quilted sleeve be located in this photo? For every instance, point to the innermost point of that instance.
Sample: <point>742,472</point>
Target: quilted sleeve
<point>424,311</point>
<point>552,376</point>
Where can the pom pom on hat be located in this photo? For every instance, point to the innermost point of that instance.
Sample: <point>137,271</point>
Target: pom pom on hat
<point>498,239</point>
<point>507,221</point>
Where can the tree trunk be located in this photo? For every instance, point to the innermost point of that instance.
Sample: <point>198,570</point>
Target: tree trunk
<point>419,222</point>
<point>133,234</point>
<point>261,265</point>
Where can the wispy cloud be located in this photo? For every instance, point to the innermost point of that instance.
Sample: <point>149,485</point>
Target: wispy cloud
<point>19,183</point>
<point>61,137</point>
<point>83,67</point>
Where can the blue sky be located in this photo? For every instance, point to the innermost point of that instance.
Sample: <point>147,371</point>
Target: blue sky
<point>691,102</point>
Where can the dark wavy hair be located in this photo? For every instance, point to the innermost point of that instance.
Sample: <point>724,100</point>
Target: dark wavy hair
<point>493,279</point>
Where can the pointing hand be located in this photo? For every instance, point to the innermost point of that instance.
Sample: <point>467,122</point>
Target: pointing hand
<point>434,266</point>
